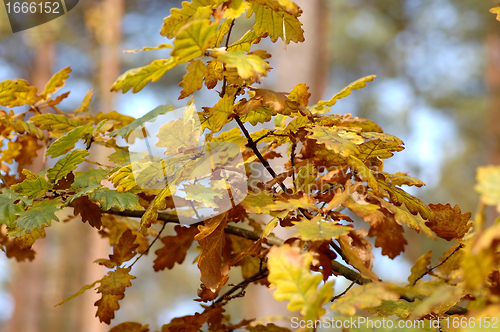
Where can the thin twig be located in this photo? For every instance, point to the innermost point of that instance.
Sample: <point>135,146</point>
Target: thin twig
<point>292,162</point>
<point>251,144</point>
<point>149,247</point>
<point>224,82</point>
<point>336,297</point>
<point>438,265</point>
<point>242,285</point>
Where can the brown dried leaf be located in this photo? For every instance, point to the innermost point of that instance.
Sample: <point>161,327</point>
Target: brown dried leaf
<point>449,223</point>
<point>89,211</point>
<point>175,248</point>
<point>126,248</point>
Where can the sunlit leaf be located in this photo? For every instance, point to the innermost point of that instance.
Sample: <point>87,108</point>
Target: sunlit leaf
<point>289,272</point>
<point>130,327</point>
<point>84,106</point>
<point>193,80</point>
<point>247,65</point>
<point>193,40</point>
<point>55,83</point>
<point>358,84</point>
<point>317,229</point>
<point>364,297</point>
<point>338,140</point>
<point>150,48</point>
<point>17,93</point>
<point>137,78</point>
<point>496,11</point>
<point>277,24</point>
<point>214,118</point>
<point>196,9</point>
<point>488,184</point>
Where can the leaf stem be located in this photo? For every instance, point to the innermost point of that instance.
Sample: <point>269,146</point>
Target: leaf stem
<point>460,246</point>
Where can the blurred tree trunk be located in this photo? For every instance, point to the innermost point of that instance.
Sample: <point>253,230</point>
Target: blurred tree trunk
<point>108,34</point>
<point>28,277</point>
<point>492,80</point>
<point>297,63</point>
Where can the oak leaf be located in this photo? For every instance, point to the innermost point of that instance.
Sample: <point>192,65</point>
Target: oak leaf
<point>126,248</point>
<point>130,327</point>
<point>211,240</point>
<point>88,210</point>
<point>420,267</point>
<point>364,297</point>
<point>175,248</point>
<point>449,223</point>
<point>193,80</point>
<point>289,273</point>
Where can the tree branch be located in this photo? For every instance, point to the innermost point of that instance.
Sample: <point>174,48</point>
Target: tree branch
<point>251,235</point>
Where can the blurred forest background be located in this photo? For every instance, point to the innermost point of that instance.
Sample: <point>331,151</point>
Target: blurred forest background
<point>437,88</point>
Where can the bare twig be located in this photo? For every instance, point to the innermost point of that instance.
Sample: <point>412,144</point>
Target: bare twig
<point>438,265</point>
<point>242,285</point>
<point>336,297</point>
<point>149,247</point>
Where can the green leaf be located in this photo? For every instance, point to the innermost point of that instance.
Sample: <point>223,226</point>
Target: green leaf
<point>193,40</point>
<point>9,208</point>
<point>193,80</point>
<point>84,192</point>
<point>55,83</point>
<point>66,165</point>
<point>247,65</point>
<point>55,122</point>
<point>358,84</point>
<point>37,216</point>
<point>336,139</point>
<point>113,199</point>
<point>150,116</point>
<point>277,24</point>
<point>317,229</point>
<point>137,78</point>
<point>289,273</point>
<point>17,93</point>
<point>67,142</point>
<point>32,188</point>
<point>89,178</point>
<point>364,297</point>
